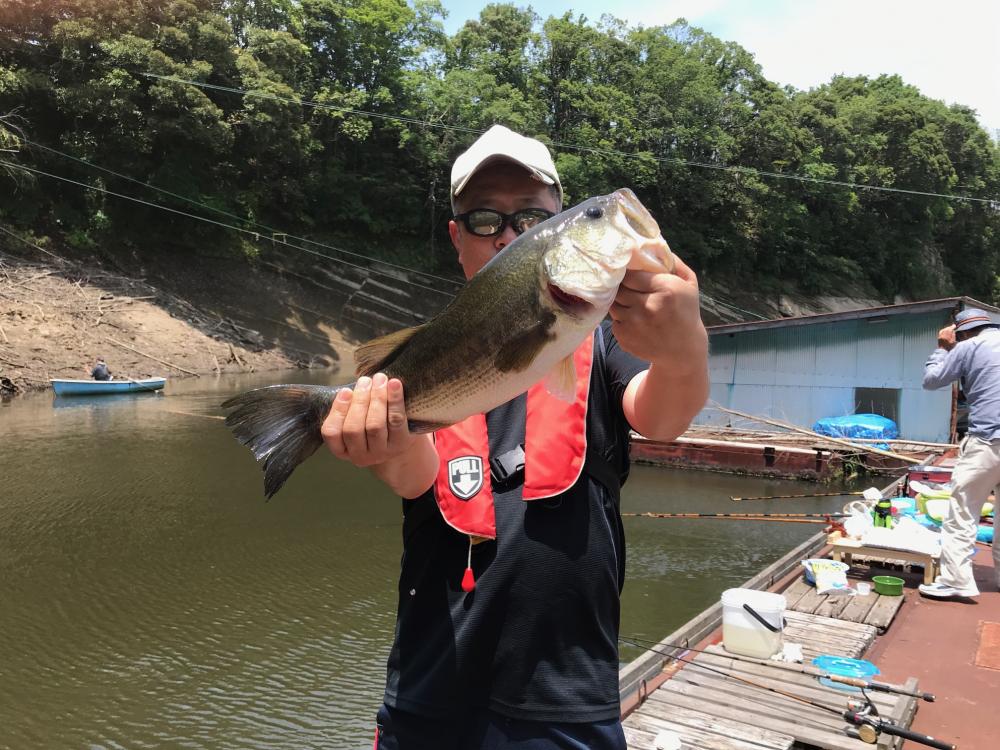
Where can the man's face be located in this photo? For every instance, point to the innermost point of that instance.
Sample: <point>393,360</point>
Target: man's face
<point>966,335</point>
<point>504,187</point>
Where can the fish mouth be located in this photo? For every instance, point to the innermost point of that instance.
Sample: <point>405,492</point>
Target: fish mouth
<point>651,252</point>
<point>636,214</point>
<point>568,302</point>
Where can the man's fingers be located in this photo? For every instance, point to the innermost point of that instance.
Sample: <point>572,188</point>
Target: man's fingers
<point>357,415</point>
<point>399,428</point>
<point>333,426</point>
<point>683,270</point>
<point>375,426</point>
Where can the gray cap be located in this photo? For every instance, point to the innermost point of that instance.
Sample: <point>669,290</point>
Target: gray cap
<point>971,318</point>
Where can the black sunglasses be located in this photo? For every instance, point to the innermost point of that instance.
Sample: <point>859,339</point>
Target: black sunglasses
<point>485,222</point>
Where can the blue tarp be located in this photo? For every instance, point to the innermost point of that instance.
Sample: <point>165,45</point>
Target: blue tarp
<point>867,426</point>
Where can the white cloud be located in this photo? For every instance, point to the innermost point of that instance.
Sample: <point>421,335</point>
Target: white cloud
<point>950,51</point>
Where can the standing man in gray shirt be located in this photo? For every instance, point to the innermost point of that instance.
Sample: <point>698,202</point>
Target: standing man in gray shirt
<point>969,351</point>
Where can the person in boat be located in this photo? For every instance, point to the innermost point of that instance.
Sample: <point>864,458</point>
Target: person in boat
<point>513,639</point>
<point>100,371</point>
<point>968,351</point>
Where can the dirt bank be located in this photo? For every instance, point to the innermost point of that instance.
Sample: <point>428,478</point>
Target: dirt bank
<point>57,316</point>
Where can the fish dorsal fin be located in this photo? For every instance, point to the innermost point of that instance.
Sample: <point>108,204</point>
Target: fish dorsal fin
<point>561,382</point>
<point>372,356</point>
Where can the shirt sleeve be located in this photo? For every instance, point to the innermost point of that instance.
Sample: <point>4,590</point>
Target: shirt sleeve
<point>621,366</point>
<point>944,367</point>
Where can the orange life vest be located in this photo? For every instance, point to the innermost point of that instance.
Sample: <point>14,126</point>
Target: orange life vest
<point>555,449</point>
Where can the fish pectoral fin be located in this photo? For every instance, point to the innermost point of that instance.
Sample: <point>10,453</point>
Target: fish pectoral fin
<point>421,426</point>
<point>517,354</point>
<point>561,382</point>
<point>374,355</point>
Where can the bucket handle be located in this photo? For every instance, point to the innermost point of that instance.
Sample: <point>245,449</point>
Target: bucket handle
<point>761,620</point>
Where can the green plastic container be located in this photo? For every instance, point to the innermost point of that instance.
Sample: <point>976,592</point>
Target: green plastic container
<point>888,585</point>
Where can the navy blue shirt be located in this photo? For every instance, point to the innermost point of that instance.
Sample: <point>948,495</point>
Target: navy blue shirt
<point>537,638</point>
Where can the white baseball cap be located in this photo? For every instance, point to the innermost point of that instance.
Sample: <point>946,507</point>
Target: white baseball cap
<point>503,144</point>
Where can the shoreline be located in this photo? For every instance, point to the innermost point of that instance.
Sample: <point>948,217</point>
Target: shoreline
<point>57,316</point>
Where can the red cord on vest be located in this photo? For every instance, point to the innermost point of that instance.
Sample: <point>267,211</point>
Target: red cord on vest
<point>469,580</point>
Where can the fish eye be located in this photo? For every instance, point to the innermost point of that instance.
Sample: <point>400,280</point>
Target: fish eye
<point>595,212</point>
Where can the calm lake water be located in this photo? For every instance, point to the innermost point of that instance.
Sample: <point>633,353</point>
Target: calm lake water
<point>150,597</point>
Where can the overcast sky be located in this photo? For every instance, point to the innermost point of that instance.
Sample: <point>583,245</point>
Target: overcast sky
<point>949,50</point>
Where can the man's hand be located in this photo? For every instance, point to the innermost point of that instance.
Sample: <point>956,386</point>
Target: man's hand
<point>368,427</point>
<point>657,317</point>
<point>946,338</point>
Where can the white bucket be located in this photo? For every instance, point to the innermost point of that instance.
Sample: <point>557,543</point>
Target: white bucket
<point>742,633</point>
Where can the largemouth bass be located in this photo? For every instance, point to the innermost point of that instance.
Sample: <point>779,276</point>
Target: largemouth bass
<point>515,322</point>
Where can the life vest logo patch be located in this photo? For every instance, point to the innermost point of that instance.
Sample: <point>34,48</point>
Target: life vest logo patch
<point>465,476</point>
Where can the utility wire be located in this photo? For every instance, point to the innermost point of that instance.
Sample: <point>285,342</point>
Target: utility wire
<point>222,212</point>
<point>734,169</point>
<point>199,218</point>
<point>574,147</point>
<point>257,234</point>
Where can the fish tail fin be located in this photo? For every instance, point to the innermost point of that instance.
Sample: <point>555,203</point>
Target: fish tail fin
<point>281,426</point>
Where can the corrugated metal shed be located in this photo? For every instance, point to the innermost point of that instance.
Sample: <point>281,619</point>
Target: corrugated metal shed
<point>802,369</point>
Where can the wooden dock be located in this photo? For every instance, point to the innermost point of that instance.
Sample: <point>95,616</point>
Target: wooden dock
<point>715,710</point>
<point>873,610</point>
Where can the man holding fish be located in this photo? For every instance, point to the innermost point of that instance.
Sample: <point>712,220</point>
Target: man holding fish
<point>513,547</point>
<point>503,424</point>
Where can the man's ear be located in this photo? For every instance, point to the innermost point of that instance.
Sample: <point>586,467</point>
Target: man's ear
<point>453,233</point>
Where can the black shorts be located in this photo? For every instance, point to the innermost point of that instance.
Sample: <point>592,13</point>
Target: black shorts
<point>482,729</point>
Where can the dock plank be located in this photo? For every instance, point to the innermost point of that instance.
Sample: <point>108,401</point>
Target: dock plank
<point>705,738</point>
<point>795,591</point>
<point>859,608</point>
<point>736,730</point>
<point>724,708</point>
<point>827,635</point>
<point>882,613</point>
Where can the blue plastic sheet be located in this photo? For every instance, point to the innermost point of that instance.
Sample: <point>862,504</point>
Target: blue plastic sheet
<point>867,426</point>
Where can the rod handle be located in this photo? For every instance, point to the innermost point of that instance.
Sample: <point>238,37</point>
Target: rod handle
<point>885,727</point>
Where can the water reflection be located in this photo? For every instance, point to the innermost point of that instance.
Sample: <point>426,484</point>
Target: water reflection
<point>152,598</point>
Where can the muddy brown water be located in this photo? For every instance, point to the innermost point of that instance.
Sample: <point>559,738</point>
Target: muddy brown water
<point>150,597</point>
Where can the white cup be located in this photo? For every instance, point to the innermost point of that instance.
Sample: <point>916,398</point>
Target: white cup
<point>864,588</point>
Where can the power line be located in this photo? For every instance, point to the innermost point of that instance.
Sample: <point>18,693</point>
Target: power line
<point>272,230</point>
<point>339,339</point>
<point>202,218</point>
<point>256,234</point>
<point>735,169</point>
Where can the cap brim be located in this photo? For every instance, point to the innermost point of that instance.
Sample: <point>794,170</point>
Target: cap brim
<point>493,159</point>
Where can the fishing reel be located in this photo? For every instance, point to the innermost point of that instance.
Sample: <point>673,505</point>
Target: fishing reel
<point>864,715</point>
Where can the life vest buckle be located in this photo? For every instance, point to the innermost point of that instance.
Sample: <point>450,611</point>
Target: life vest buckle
<point>507,469</point>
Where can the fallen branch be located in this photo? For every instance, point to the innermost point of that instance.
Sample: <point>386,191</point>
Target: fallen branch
<point>825,438</point>
<point>150,356</point>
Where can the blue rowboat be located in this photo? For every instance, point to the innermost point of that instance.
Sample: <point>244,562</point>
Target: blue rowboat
<point>97,387</point>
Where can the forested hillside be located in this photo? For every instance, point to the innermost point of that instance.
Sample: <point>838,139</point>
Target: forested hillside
<point>337,120</point>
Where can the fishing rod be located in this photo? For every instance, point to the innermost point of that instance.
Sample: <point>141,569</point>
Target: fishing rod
<point>864,716</point>
<point>880,687</point>
<point>736,499</point>
<point>819,518</point>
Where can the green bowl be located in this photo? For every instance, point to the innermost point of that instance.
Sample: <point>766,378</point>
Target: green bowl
<point>888,585</point>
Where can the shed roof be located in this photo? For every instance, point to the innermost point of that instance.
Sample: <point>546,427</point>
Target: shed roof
<point>909,308</point>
